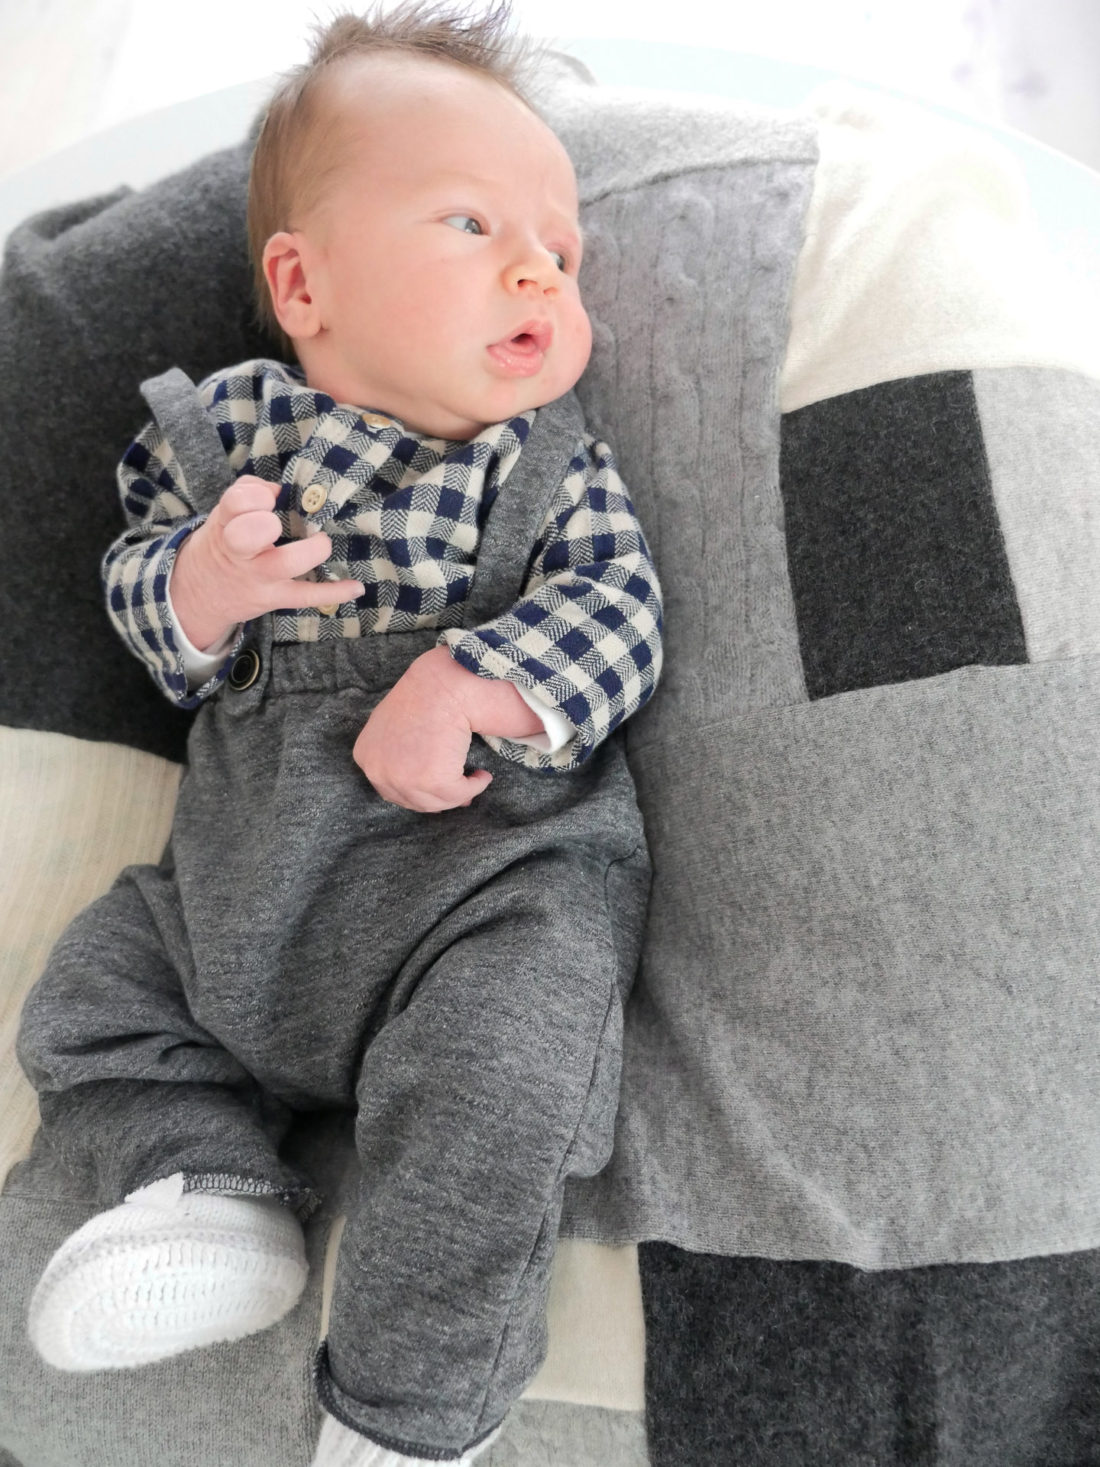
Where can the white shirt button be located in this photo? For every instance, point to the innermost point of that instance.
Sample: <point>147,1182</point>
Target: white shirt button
<point>313,498</point>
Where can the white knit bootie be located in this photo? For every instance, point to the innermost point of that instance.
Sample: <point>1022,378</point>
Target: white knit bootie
<point>164,1272</point>
<point>338,1446</point>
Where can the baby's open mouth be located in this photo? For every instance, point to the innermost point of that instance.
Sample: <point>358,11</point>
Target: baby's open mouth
<point>522,352</point>
<point>532,336</point>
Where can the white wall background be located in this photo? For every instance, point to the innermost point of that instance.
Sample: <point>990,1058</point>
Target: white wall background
<point>71,67</point>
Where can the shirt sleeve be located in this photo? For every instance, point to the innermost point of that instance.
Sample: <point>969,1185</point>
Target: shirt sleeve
<point>160,514</point>
<point>556,728</point>
<point>585,635</point>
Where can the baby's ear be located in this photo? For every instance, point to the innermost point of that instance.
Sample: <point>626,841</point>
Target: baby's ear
<point>284,267</point>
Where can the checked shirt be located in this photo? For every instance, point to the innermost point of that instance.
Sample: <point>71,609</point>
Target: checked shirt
<point>405,515</point>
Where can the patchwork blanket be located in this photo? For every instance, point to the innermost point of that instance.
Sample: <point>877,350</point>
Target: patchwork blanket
<point>861,426</point>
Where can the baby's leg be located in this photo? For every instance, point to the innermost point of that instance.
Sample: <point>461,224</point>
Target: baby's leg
<point>132,1091</point>
<point>496,1081</point>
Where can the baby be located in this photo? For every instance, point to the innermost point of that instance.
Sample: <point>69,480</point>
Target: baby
<point>405,539</point>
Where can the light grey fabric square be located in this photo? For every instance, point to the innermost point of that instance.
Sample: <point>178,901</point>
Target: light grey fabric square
<point>555,1434</point>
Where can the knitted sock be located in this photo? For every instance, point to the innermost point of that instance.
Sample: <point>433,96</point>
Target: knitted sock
<point>164,1272</point>
<point>339,1446</point>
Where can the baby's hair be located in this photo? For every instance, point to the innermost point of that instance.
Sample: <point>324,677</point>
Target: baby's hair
<point>293,157</point>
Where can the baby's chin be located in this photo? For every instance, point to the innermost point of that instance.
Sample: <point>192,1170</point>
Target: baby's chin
<point>456,417</point>
<point>526,397</point>
<point>500,409</point>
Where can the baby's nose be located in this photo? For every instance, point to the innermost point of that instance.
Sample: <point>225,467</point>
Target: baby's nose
<point>536,270</point>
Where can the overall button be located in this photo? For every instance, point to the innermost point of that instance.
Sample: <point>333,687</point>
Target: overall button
<point>313,498</point>
<point>245,670</point>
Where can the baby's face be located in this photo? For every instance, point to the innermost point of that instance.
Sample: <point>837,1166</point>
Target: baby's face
<point>441,263</point>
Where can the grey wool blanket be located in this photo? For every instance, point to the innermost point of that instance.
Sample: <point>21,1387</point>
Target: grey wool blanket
<point>858,1149</point>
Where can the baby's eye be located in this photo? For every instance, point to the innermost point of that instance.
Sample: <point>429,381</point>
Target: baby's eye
<point>465,222</point>
<point>562,262</point>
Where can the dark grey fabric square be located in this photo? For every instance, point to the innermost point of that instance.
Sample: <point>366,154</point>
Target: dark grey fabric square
<point>95,297</point>
<point>754,1363</point>
<point>897,560</point>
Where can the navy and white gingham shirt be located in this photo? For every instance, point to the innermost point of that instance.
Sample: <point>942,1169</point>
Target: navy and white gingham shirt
<point>405,515</point>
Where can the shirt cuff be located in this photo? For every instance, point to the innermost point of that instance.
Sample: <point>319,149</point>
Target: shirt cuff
<point>198,666</point>
<point>559,729</point>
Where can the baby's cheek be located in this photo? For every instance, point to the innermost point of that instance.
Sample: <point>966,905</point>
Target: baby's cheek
<point>580,341</point>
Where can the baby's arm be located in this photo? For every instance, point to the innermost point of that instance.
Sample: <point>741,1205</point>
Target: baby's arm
<point>151,609</point>
<point>584,638</point>
<point>413,747</point>
<point>583,641</point>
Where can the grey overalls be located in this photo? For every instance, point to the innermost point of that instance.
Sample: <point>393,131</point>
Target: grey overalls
<point>456,979</point>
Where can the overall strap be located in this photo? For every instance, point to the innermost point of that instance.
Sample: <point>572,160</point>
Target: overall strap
<point>520,509</point>
<point>177,407</point>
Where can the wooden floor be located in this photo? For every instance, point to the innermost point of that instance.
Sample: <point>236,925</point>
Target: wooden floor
<point>71,67</point>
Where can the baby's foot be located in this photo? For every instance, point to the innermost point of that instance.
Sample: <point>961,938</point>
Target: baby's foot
<point>338,1446</point>
<point>165,1272</point>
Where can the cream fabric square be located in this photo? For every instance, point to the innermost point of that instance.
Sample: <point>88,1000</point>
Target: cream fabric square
<point>923,253</point>
<point>72,815</point>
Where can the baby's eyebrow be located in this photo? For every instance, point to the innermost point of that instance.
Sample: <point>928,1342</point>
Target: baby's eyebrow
<point>579,237</point>
<point>573,226</point>
<point>455,178</point>
<point>450,178</point>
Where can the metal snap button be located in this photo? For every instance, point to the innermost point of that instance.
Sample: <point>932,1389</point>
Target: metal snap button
<point>313,498</point>
<point>245,670</point>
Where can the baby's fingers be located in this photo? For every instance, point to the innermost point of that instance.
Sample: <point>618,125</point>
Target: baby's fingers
<point>246,494</point>
<point>247,534</point>
<point>296,557</point>
<point>453,795</point>
<point>294,595</point>
<point>449,795</point>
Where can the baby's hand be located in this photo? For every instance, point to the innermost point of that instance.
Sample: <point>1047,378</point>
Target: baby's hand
<point>230,569</point>
<point>414,745</point>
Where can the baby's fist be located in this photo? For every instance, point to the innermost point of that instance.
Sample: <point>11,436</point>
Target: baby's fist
<point>231,569</point>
